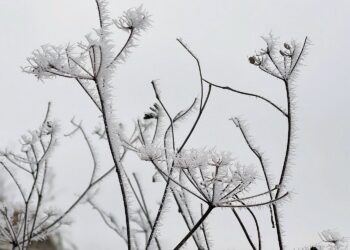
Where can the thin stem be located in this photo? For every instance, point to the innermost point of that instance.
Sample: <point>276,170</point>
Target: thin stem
<point>202,106</point>
<point>285,162</point>
<point>77,201</point>
<point>176,182</point>
<point>247,94</point>
<point>27,201</point>
<point>123,48</point>
<point>275,64</point>
<point>243,228</point>
<point>257,204</point>
<point>299,57</point>
<point>197,120</point>
<point>258,155</point>
<point>199,69</point>
<point>15,180</point>
<point>118,168</point>
<point>188,235</point>
<point>205,230</point>
<point>165,194</point>
<point>87,92</point>
<point>40,195</point>
<point>82,67</point>
<point>99,13</point>
<point>146,211</point>
<point>114,227</point>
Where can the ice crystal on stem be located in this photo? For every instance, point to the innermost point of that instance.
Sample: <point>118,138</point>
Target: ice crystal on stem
<point>217,176</point>
<point>191,159</point>
<point>151,153</point>
<point>334,240</point>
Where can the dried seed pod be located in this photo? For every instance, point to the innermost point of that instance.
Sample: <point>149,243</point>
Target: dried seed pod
<point>287,46</point>
<point>252,59</point>
<point>283,53</point>
<point>148,116</point>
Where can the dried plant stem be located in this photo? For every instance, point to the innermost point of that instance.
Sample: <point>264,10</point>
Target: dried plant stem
<point>147,214</point>
<point>284,167</point>
<point>117,164</point>
<point>204,229</point>
<point>243,228</point>
<point>247,94</point>
<point>188,235</point>
<point>161,206</point>
<point>258,155</point>
<point>123,48</point>
<point>166,190</point>
<point>74,204</point>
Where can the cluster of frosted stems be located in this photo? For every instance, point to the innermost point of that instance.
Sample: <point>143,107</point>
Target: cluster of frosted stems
<point>217,177</point>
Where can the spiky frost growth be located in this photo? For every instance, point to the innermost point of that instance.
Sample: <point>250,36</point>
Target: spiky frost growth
<point>15,219</point>
<point>3,195</point>
<point>133,21</point>
<point>217,177</point>
<point>333,240</point>
<point>109,220</point>
<point>32,218</point>
<point>282,63</point>
<point>192,158</point>
<point>90,63</point>
<point>151,152</point>
<point>134,18</point>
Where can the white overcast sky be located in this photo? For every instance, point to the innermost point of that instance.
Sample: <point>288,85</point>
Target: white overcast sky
<point>222,34</point>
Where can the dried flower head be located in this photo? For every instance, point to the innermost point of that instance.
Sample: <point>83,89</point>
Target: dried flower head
<point>134,19</point>
<point>191,159</point>
<point>255,60</point>
<point>287,46</point>
<point>151,153</point>
<point>217,177</point>
<point>334,239</point>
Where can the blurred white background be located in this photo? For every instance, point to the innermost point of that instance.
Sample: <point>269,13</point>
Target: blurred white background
<point>222,34</point>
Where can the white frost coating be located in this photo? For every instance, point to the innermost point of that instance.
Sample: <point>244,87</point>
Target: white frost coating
<point>14,214</point>
<point>134,18</point>
<point>333,240</point>
<point>217,176</point>
<point>151,152</point>
<point>191,159</point>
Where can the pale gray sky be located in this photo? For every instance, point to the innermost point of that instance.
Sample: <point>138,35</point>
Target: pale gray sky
<point>222,34</point>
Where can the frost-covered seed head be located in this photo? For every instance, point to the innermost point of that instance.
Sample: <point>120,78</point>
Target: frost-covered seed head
<point>191,159</point>
<point>151,153</point>
<point>134,18</point>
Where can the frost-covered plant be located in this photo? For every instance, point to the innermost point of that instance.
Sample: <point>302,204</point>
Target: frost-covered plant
<point>216,176</point>
<point>330,240</point>
<point>333,240</point>
<point>207,178</point>
<point>31,218</point>
<point>91,64</point>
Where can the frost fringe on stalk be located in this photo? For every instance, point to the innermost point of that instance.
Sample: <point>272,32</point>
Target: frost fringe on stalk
<point>32,219</point>
<point>197,180</point>
<point>91,64</point>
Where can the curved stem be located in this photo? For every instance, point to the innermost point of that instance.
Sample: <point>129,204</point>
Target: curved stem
<point>247,94</point>
<point>258,155</point>
<point>122,49</point>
